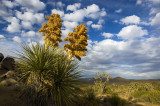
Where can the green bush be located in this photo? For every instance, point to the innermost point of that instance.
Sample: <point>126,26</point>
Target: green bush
<point>88,98</point>
<point>149,96</point>
<point>49,77</point>
<point>139,86</point>
<point>145,91</point>
<point>108,90</point>
<point>157,87</point>
<point>115,100</point>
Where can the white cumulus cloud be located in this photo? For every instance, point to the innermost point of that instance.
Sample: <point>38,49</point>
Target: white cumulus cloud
<point>60,4</point>
<point>107,35</point>
<point>77,16</point>
<point>103,13</point>
<point>92,11</point>
<point>129,59</point>
<point>101,21</point>
<point>17,39</point>
<point>9,3</point>
<point>154,11</point>
<point>92,8</point>
<point>131,32</point>
<point>70,25</point>
<point>35,5</point>
<point>96,26</point>
<point>26,25</point>
<point>2,37</point>
<point>61,13</point>
<point>131,20</point>
<point>139,2</point>
<point>155,2</point>
<point>34,18</point>
<point>89,23</point>
<point>118,11</point>
<point>14,26</point>
<point>73,18</point>
<point>74,6</point>
<point>156,20</point>
<point>30,34</point>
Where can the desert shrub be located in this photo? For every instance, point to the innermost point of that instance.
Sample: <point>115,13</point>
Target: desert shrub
<point>89,94</point>
<point>88,98</point>
<point>115,100</point>
<point>114,87</point>
<point>101,82</point>
<point>149,96</point>
<point>48,76</point>
<point>118,88</point>
<point>108,90</point>
<point>139,86</point>
<point>145,91</point>
<point>157,87</point>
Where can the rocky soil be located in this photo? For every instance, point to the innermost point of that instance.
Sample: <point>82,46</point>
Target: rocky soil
<point>9,86</point>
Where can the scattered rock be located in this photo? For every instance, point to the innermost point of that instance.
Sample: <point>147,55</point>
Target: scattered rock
<point>3,83</point>
<point>8,63</point>
<point>3,77</point>
<point>138,100</point>
<point>1,57</point>
<point>9,74</point>
<point>9,82</point>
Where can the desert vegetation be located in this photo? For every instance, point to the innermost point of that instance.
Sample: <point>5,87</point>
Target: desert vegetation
<point>50,75</point>
<point>122,92</point>
<point>45,75</point>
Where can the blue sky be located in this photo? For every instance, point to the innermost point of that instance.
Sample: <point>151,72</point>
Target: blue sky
<point>124,35</point>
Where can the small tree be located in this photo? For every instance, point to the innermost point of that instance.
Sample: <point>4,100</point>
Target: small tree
<point>78,42</point>
<point>52,30</point>
<point>101,82</point>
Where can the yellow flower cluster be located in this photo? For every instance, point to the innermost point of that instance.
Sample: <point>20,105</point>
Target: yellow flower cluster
<point>52,30</point>
<point>78,42</point>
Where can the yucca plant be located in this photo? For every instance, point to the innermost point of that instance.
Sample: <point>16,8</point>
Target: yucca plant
<point>49,77</point>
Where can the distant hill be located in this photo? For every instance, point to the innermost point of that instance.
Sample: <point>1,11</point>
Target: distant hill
<point>119,80</point>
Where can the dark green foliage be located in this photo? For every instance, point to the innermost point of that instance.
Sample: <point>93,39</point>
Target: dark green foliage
<point>145,91</point>
<point>115,100</point>
<point>108,90</point>
<point>156,87</point>
<point>137,86</point>
<point>49,77</point>
<point>149,96</point>
<point>89,95</point>
<point>88,98</point>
